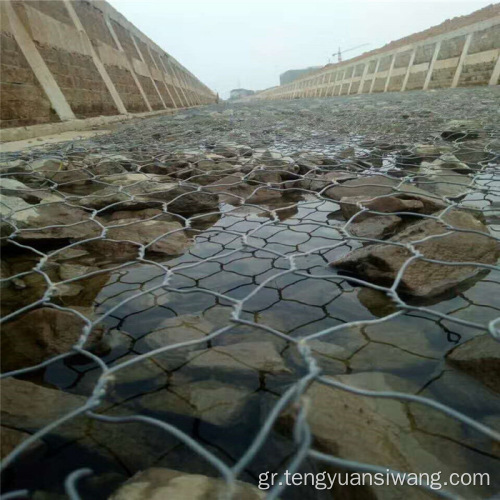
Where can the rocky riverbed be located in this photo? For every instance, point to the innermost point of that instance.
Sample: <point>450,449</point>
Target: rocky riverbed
<point>195,269</point>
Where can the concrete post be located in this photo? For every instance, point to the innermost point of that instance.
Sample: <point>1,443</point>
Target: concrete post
<point>95,58</point>
<point>128,62</point>
<point>389,74</point>
<point>363,77</point>
<point>170,75</point>
<point>38,66</point>
<point>407,75</point>
<point>372,85</point>
<point>187,83</point>
<point>431,66</point>
<point>148,70</point>
<point>461,61</point>
<point>352,80</point>
<point>162,75</point>
<point>496,72</point>
<point>178,85</point>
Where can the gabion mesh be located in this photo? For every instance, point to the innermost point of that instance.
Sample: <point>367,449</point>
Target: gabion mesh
<point>250,266</point>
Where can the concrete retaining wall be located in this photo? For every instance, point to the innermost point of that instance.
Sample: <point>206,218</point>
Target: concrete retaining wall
<point>63,60</point>
<point>461,52</point>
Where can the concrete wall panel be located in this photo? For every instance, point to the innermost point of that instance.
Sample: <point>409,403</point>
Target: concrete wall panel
<point>81,59</point>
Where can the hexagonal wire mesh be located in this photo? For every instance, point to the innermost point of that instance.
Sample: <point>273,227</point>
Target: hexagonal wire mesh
<point>172,258</point>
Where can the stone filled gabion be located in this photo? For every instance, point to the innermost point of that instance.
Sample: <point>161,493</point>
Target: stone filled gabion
<point>192,300</point>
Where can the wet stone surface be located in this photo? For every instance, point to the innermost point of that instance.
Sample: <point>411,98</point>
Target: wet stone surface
<point>190,270</point>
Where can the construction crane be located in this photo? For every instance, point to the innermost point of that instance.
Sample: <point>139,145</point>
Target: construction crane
<point>340,52</point>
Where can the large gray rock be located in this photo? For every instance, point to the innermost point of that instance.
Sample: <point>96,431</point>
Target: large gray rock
<point>48,164</point>
<point>144,232</point>
<point>443,181</point>
<point>20,291</point>
<point>461,130</point>
<point>234,190</point>
<point>14,166</point>
<point>106,168</point>
<point>206,172</point>
<point>381,263</point>
<point>171,332</point>
<point>148,194</point>
<point>388,204</point>
<point>56,221</point>
<point>13,187</point>
<point>431,150</point>
<point>479,357</point>
<point>384,357</point>
<point>16,210</point>
<point>131,179</point>
<point>209,400</point>
<point>243,356</point>
<point>264,177</point>
<point>161,484</point>
<point>376,227</point>
<point>377,431</point>
<point>370,187</point>
<point>41,334</point>
<point>147,213</point>
<point>29,407</point>
<point>10,439</point>
<point>451,162</point>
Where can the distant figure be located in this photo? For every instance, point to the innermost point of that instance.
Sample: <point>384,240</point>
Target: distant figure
<point>217,98</point>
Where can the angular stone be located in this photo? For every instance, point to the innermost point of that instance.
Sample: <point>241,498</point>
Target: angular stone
<point>148,213</point>
<point>339,176</point>
<point>452,162</point>
<point>140,377</point>
<point>373,430</point>
<point>47,164</point>
<point>132,179</point>
<point>11,439</point>
<point>443,181</point>
<point>180,200</point>
<point>16,210</point>
<point>431,150</point>
<point>209,400</point>
<point>375,227</point>
<point>158,484</point>
<point>262,195</point>
<point>376,301</point>
<point>171,332</point>
<point>58,221</point>
<point>387,204</point>
<point>107,168</point>
<point>144,232</point>
<point>384,357</point>
<point>263,177</point>
<point>69,178</point>
<point>461,130</point>
<point>371,187</point>
<point>261,356</point>
<point>480,358</point>
<point>14,166</point>
<point>41,334</point>
<point>210,165</point>
<point>12,187</point>
<point>381,263</point>
<point>30,407</point>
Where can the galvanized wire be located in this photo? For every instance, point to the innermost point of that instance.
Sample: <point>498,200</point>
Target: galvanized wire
<point>483,181</point>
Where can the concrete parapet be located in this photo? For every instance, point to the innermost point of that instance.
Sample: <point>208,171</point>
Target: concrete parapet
<point>461,52</point>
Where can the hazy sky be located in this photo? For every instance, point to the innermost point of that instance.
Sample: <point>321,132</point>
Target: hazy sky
<point>248,43</point>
